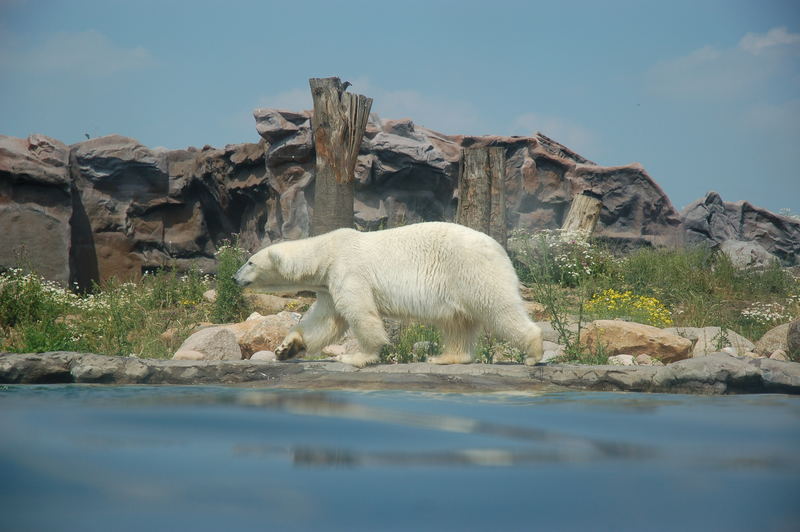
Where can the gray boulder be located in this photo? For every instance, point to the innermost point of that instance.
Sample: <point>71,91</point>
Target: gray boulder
<point>276,124</point>
<point>774,339</point>
<point>711,222</point>
<point>264,356</point>
<point>780,354</point>
<point>621,360</point>
<point>216,343</point>
<point>707,340</point>
<point>745,255</point>
<point>647,360</point>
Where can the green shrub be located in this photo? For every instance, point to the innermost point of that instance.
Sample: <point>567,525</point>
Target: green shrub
<point>491,350</point>
<point>27,297</point>
<point>401,350</point>
<point>697,287</point>
<point>42,336</point>
<point>230,304</point>
<point>566,258</point>
<point>167,288</point>
<point>670,275</point>
<point>114,318</point>
<point>704,288</point>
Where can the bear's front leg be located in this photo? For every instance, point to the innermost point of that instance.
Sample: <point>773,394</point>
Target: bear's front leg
<point>291,346</point>
<point>366,324</point>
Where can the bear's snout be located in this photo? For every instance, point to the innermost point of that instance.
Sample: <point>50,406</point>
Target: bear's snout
<point>239,277</point>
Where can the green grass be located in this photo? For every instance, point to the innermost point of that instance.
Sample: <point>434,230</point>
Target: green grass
<point>115,318</point>
<point>689,287</point>
<point>703,288</point>
<point>696,287</point>
<point>401,350</point>
<point>490,350</point>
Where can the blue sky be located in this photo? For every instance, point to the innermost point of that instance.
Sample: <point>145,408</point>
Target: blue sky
<point>705,94</point>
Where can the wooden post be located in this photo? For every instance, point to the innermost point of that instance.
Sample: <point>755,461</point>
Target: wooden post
<point>481,191</point>
<point>583,214</point>
<point>497,217</point>
<point>338,125</point>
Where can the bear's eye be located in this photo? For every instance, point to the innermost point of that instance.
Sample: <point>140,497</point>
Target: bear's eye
<point>249,262</point>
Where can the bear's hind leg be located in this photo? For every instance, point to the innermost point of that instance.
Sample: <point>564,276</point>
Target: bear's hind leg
<point>367,326</point>
<point>458,344</point>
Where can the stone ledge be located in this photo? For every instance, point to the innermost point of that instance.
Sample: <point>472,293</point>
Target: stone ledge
<point>718,373</point>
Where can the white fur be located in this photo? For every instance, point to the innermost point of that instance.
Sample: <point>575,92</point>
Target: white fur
<point>446,275</point>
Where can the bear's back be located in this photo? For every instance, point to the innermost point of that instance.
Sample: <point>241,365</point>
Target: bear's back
<point>441,248</point>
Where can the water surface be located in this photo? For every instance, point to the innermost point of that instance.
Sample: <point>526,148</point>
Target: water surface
<point>151,458</point>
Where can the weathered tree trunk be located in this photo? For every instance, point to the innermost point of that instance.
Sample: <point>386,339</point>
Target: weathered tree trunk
<point>481,191</point>
<point>497,217</point>
<point>583,214</point>
<point>338,125</point>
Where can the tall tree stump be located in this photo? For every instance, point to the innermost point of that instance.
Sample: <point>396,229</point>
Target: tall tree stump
<point>481,191</point>
<point>584,212</point>
<point>498,227</point>
<point>338,125</point>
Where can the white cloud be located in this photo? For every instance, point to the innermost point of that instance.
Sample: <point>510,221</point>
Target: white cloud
<point>86,53</point>
<point>448,115</point>
<point>713,73</point>
<point>756,43</point>
<point>782,119</point>
<point>571,134</point>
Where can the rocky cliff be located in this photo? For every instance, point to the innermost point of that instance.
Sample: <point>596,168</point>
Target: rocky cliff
<point>407,174</point>
<point>112,207</point>
<point>741,228</point>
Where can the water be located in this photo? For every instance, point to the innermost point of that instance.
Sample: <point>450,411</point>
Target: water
<point>89,458</point>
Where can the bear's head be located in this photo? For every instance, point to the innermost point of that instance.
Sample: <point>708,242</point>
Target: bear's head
<point>275,268</point>
<point>260,271</point>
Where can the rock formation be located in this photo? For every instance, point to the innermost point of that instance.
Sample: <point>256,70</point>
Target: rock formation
<point>408,174</point>
<point>747,230</point>
<point>35,204</point>
<point>110,207</point>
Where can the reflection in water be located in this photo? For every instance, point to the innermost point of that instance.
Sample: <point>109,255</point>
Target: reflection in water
<point>319,456</point>
<point>217,458</point>
<point>560,447</point>
<point>525,443</point>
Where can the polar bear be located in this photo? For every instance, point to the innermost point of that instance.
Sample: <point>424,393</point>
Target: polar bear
<point>442,274</point>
